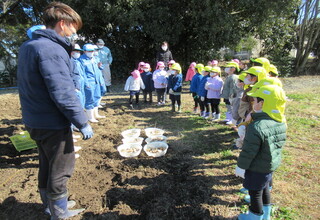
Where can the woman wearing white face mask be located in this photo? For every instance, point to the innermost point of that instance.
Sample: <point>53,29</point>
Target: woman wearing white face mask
<point>164,54</point>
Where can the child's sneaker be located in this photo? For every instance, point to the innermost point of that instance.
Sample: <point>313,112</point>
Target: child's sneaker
<point>207,115</point>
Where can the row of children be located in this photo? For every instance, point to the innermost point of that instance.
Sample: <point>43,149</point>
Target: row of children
<point>257,108</point>
<point>255,102</point>
<point>162,81</point>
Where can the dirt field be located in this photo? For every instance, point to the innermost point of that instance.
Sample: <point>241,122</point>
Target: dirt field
<point>184,184</point>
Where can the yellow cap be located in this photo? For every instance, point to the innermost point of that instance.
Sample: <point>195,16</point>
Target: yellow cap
<point>233,64</point>
<point>176,66</point>
<point>264,61</point>
<point>208,68</point>
<point>258,71</point>
<point>199,67</point>
<point>267,81</point>
<point>274,101</point>
<point>242,76</point>
<point>273,69</point>
<point>215,69</point>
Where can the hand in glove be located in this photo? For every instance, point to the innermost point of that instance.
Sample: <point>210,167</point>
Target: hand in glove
<point>240,172</point>
<point>170,91</point>
<point>202,98</point>
<point>87,132</point>
<point>242,131</point>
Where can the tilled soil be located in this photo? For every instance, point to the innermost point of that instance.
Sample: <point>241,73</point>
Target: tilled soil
<point>112,187</point>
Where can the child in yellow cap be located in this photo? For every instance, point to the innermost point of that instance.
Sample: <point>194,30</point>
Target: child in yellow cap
<point>261,153</point>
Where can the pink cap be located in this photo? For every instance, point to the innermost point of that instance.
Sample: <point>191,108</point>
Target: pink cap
<point>135,74</point>
<point>236,60</point>
<point>214,62</point>
<point>172,62</point>
<point>193,64</point>
<point>160,63</point>
<point>147,65</point>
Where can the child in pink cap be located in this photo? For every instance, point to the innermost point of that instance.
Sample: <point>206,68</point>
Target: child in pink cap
<point>160,82</point>
<point>191,71</point>
<point>133,84</point>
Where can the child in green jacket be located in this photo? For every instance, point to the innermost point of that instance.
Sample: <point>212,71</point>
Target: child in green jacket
<point>261,152</point>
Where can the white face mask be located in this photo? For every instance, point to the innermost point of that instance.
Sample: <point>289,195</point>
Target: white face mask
<point>212,74</point>
<point>95,53</point>
<point>164,48</point>
<point>247,82</point>
<point>100,46</point>
<point>146,70</point>
<point>89,54</point>
<point>161,68</point>
<point>76,55</point>
<point>227,70</point>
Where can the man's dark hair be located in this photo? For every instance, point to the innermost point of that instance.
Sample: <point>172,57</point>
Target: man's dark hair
<point>57,11</point>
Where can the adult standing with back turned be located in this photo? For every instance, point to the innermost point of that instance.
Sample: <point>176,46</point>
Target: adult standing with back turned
<point>49,104</point>
<point>106,60</point>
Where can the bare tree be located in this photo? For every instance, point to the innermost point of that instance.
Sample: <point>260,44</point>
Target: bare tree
<point>307,32</point>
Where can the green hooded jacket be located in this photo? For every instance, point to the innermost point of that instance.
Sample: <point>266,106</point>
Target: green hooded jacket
<point>262,146</point>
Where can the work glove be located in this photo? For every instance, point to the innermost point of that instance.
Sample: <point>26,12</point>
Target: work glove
<point>202,99</point>
<point>86,132</point>
<point>242,131</point>
<point>240,172</point>
<point>170,91</point>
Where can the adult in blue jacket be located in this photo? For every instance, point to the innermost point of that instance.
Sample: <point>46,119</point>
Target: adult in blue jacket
<point>195,82</point>
<point>106,59</point>
<point>202,92</point>
<point>49,103</point>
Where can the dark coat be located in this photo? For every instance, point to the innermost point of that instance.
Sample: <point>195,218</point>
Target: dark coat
<point>147,81</point>
<point>164,56</point>
<point>46,89</point>
<point>262,146</point>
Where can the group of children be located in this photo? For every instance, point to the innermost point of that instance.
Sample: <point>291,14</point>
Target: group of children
<point>255,103</point>
<point>162,81</point>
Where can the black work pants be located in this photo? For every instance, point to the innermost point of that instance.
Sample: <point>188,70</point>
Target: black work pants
<point>56,159</point>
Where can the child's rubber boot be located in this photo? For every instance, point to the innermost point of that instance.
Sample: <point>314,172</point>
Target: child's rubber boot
<point>90,114</point>
<point>266,212</point>
<point>179,108</point>
<point>59,209</point>
<point>96,113</point>
<point>250,216</point>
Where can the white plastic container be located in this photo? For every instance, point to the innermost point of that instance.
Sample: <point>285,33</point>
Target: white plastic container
<point>157,139</point>
<point>133,140</point>
<point>156,149</point>
<point>129,150</point>
<point>131,133</point>
<point>154,132</point>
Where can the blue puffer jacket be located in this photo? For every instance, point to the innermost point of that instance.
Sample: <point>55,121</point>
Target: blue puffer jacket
<point>175,82</point>
<point>195,82</point>
<point>47,92</point>
<point>201,90</point>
